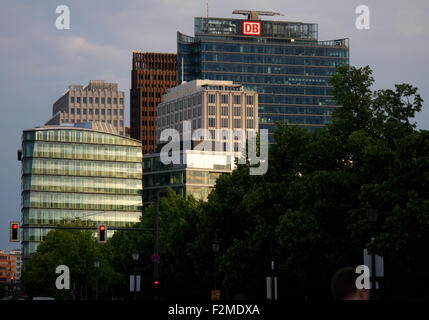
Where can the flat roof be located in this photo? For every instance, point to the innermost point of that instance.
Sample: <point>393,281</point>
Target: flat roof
<point>56,127</point>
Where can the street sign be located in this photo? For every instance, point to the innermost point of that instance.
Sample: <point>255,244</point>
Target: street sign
<point>270,286</point>
<point>155,257</point>
<point>379,264</point>
<point>215,294</point>
<point>132,283</point>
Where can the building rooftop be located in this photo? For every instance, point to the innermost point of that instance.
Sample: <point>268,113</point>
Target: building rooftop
<point>101,85</point>
<point>186,88</point>
<point>269,28</point>
<point>89,126</point>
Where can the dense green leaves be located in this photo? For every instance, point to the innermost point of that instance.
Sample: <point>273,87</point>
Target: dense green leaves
<point>76,249</point>
<point>307,213</point>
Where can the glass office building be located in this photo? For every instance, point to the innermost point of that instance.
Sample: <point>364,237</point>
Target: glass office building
<point>71,173</point>
<point>283,61</point>
<point>196,175</point>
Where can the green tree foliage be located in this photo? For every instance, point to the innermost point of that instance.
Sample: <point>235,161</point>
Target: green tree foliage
<point>76,249</point>
<point>178,218</point>
<point>307,213</point>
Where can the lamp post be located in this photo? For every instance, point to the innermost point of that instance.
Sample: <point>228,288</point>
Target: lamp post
<point>135,256</point>
<point>96,266</point>
<point>215,249</point>
<point>372,216</point>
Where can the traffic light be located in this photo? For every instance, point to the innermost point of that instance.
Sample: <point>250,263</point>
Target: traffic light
<point>156,289</point>
<point>11,286</point>
<point>14,231</point>
<point>102,233</point>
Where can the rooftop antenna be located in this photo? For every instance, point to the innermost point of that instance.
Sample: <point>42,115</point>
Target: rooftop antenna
<point>182,69</point>
<point>254,15</point>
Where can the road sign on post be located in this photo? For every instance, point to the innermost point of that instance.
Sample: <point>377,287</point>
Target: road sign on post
<point>132,283</point>
<point>270,290</point>
<point>379,263</point>
<point>155,257</point>
<point>378,271</point>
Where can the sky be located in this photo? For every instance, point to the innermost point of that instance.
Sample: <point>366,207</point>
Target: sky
<point>39,62</point>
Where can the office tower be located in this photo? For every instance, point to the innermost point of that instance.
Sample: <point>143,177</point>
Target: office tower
<point>71,173</point>
<point>206,104</point>
<point>151,75</point>
<point>98,101</point>
<point>283,61</point>
<point>211,105</point>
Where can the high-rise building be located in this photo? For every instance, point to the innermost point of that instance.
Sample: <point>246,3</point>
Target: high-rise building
<point>71,173</point>
<point>151,75</point>
<point>98,101</point>
<point>220,107</point>
<point>283,61</point>
<point>209,104</point>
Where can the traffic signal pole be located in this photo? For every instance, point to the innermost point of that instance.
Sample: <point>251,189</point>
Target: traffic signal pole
<point>86,228</point>
<point>156,239</point>
<point>155,246</point>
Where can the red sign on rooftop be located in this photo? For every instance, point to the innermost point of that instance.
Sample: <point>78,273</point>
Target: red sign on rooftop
<point>252,28</point>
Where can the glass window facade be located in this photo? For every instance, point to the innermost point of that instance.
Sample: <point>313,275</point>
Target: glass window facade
<point>70,174</point>
<point>286,65</point>
<point>183,179</point>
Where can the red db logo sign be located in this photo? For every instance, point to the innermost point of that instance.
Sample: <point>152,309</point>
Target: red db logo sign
<point>251,28</point>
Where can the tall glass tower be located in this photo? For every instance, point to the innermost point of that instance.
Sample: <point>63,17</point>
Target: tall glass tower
<point>283,61</point>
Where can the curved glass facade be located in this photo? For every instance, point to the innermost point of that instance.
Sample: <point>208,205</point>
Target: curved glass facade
<point>71,173</point>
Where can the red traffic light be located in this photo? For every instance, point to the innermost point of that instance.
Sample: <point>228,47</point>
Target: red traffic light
<point>102,233</point>
<point>156,282</point>
<point>14,231</point>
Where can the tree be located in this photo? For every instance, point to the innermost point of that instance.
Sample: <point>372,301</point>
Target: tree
<point>76,249</point>
<point>177,230</point>
<point>308,212</point>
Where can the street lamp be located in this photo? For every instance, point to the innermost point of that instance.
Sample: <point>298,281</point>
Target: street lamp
<point>135,256</point>
<point>215,249</point>
<point>372,215</point>
<point>96,266</point>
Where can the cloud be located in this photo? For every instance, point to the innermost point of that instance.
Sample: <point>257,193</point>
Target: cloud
<point>80,49</point>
